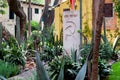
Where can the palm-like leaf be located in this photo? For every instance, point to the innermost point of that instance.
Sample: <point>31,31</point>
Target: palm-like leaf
<point>82,72</point>
<point>61,74</point>
<point>41,72</point>
<point>115,43</point>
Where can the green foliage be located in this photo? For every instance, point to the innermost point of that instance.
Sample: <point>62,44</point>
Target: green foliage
<point>104,68</point>
<point>117,7</point>
<point>41,72</point>
<point>82,73</point>
<point>50,47</point>
<point>12,52</point>
<point>116,47</point>
<point>111,35</point>
<point>14,55</point>
<point>2,11</point>
<point>34,25</point>
<point>48,35</point>
<point>38,1</point>
<point>3,5</point>
<point>8,70</point>
<point>87,32</point>
<point>50,51</point>
<point>85,50</point>
<point>74,55</point>
<point>105,51</point>
<point>70,68</point>
<point>115,72</point>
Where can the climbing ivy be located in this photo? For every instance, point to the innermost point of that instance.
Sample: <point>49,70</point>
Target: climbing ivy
<point>117,7</point>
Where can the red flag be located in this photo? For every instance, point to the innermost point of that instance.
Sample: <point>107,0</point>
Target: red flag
<point>72,3</point>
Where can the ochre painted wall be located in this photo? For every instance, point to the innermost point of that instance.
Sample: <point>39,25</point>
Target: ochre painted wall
<point>86,14</point>
<point>86,17</point>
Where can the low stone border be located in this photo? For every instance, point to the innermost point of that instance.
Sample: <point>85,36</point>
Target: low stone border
<point>27,75</point>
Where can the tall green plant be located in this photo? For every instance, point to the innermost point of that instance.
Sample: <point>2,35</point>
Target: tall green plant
<point>87,32</point>
<point>116,44</point>
<point>34,25</point>
<point>82,72</point>
<point>64,67</point>
<point>8,70</point>
<point>41,72</point>
<point>12,52</point>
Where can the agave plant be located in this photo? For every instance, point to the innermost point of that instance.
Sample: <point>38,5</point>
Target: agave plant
<point>63,66</point>
<point>116,47</point>
<point>2,78</point>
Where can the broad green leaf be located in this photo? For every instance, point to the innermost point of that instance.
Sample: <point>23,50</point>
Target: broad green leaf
<point>61,74</point>
<point>115,42</point>
<point>82,72</point>
<point>73,54</point>
<point>41,72</point>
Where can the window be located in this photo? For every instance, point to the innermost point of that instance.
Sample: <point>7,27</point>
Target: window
<point>11,14</point>
<point>36,11</point>
<point>66,9</point>
<point>30,14</point>
<point>108,10</point>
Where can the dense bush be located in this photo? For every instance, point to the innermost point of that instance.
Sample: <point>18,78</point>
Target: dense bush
<point>117,7</point>
<point>104,69</point>
<point>8,70</point>
<point>34,25</point>
<point>12,52</point>
<point>71,68</point>
<point>105,51</point>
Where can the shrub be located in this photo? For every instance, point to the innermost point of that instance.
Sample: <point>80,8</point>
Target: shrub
<point>105,51</point>
<point>12,52</point>
<point>7,69</point>
<point>34,25</point>
<point>71,68</point>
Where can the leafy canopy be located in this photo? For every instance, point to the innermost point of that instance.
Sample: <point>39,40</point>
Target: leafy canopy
<point>38,1</point>
<point>117,7</point>
<point>3,4</point>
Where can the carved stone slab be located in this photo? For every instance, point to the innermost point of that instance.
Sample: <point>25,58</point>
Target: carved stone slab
<point>71,25</point>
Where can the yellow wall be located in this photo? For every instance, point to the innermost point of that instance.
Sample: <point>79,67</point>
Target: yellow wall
<point>86,14</point>
<point>86,17</point>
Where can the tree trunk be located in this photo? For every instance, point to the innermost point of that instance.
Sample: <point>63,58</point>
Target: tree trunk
<point>16,7</point>
<point>29,18</point>
<point>17,32</point>
<point>98,12</point>
<point>92,41</point>
<point>48,15</point>
<point>0,36</point>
